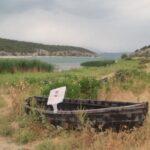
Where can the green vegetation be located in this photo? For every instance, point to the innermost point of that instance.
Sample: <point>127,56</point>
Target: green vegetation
<point>126,57</point>
<point>41,78</point>
<point>13,47</point>
<point>76,88</point>
<point>128,77</point>
<point>23,65</point>
<point>98,63</point>
<point>131,80</point>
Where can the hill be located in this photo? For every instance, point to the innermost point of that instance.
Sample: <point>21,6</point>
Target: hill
<point>21,48</point>
<point>142,52</point>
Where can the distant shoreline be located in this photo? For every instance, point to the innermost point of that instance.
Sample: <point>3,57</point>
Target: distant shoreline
<point>45,56</point>
<point>16,56</point>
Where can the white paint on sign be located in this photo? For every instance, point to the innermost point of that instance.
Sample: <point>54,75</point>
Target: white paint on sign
<point>56,96</point>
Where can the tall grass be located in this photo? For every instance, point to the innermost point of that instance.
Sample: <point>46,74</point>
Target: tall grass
<point>23,65</point>
<point>98,63</point>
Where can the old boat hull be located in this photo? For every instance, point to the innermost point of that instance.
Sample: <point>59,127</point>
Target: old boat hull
<point>99,113</point>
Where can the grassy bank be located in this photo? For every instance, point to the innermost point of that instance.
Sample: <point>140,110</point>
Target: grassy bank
<point>23,65</point>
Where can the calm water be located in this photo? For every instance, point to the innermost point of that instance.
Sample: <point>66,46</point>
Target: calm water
<point>68,62</point>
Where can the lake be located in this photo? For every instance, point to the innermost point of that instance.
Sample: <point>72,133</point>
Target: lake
<point>69,62</point>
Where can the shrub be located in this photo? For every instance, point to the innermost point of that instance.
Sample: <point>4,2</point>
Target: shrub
<point>73,89</point>
<point>98,63</point>
<point>124,56</point>
<point>83,88</point>
<point>89,87</point>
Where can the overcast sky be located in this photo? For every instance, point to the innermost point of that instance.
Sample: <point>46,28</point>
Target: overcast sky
<point>100,25</point>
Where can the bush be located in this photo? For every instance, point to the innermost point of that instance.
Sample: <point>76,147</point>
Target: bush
<point>98,63</point>
<point>89,87</point>
<point>84,88</point>
<point>124,56</point>
<point>73,89</point>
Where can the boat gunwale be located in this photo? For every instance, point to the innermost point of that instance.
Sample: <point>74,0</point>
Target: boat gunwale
<point>116,109</point>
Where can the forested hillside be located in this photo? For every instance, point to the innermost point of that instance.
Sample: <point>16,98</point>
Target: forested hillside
<point>17,48</point>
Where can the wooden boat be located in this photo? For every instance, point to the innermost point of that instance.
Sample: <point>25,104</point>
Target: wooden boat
<point>100,113</point>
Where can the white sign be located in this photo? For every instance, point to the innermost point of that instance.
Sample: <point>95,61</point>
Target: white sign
<point>56,96</point>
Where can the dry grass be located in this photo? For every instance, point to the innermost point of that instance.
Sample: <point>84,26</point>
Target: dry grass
<point>2,102</point>
<point>23,129</point>
<point>26,129</point>
<point>89,139</point>
<point>115,93</point>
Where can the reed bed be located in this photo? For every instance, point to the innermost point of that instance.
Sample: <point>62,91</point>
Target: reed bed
<point>23,65</point>
<point>98,63</point>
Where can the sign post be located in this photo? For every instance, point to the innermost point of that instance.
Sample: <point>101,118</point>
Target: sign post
<point>56,96</point>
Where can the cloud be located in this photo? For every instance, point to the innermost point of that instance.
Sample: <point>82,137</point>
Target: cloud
<point>96,24</point>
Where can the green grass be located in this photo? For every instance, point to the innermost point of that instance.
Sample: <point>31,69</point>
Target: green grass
<point>23,65</point>
<point>40,77</point>
<point>98,63</point>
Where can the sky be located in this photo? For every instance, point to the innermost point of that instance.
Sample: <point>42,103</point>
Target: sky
<point>99,25</point>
